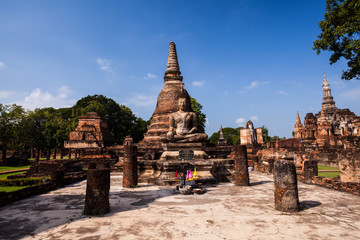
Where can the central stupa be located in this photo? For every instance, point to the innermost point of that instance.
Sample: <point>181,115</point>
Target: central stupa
<point>167,102</point>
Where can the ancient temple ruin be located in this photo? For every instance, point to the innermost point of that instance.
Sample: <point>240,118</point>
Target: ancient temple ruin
<point>330,126</point>
<point>167,102</point>
<point>91,132</point>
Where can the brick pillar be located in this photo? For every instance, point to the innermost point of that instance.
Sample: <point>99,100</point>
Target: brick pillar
<point>97,192</point>
<point>286,191</point>
<point>130,173</point>
<point>58,178</point>
<point>310,169</point>
<point>241,166</point>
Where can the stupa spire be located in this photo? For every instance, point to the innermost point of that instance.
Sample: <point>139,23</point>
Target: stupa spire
<point>328,100</point>
<point>221,132</point>
<point>298,120</point>
<point>325,82</point>
<point>172,68</point>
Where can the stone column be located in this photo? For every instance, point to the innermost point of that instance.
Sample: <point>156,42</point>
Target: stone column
<point>97,192</point>
<point>286,191</point>
<point>58,178</point>
<point>310,169</point>
<point>130,173</point>
<point>241,166</point>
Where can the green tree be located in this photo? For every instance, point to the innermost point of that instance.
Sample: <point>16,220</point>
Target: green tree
<point>201,117</point>
<point>341,35</point>
<point>10,127</point>
<point>232,136</point>
<point>121,121</point>
<point>268,138</point>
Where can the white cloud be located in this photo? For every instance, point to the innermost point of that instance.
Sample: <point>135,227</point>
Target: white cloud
<point>282,92</point>
<point>353,94</point>
<point>254,118</point>
<point>240,121</point>
<point>40,99</point>
<point>2,65</point>
<point>198,83</point>
<point>6,94</point>
<point>141,100</point>
<point>150,76</point>
<point>104,64</point>
<point>338,83</point>
<point>255,84</point>
<point>207,122</point>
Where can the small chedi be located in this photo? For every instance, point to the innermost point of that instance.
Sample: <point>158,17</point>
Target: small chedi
<point>331,126</point>
<point>91,132</point>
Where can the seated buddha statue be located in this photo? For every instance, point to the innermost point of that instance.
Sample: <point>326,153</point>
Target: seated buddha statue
<point>183,126</point>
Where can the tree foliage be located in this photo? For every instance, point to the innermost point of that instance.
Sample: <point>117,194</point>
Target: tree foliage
<point>10,125</point>
<point>341,35</point>
<point>201,117</point>
<point>47,128</point>
<point>232,136</point>
<point>121,121</point>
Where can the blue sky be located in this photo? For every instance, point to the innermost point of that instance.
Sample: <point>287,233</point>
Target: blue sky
<point>240,59</point>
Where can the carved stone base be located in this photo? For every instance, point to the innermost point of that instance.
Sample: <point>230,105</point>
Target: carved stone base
<point>171,150</point>
<point>162,172</point>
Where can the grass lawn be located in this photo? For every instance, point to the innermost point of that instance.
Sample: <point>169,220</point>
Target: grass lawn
<point>329,174</point>
<point>9,168</point>
<point>4,176</point>
<point>322,167</point>
<point>11,189</point>
<point>333,174</point>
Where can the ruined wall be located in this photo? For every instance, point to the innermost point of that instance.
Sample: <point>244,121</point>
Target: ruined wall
<point>349,165</point>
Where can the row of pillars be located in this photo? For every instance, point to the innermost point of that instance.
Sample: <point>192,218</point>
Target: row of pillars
<point>98,183</point>
<point>286,191</point>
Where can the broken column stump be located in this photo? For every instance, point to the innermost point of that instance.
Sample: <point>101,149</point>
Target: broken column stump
<point>58,177</point>
<point>130,173</point>
<point>97,192</point>
<point>241,166</point>
<point>310,170</point>
<point>286,191</point>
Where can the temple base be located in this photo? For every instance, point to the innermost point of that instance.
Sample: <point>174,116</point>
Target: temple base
<point>172,150</point>
<point>162,172</point>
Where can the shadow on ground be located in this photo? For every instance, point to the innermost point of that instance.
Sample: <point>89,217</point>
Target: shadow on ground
<point>14,224</point>
<point>259,183</point>
<point>308,204</point>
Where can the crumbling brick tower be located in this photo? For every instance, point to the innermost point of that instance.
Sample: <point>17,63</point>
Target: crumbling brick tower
<point>167,102</point>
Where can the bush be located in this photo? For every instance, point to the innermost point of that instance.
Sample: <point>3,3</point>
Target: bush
<point>23,182</point>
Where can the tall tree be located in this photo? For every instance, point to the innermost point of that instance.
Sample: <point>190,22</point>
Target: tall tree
<point>201,117</point>
<point>341,35</point>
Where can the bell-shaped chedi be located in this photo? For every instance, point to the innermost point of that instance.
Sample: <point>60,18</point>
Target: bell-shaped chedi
<point>167,102</point>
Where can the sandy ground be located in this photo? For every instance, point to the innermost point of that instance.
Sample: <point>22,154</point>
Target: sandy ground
<point>151,212</point>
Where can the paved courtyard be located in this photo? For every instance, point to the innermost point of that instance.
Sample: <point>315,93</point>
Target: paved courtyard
<point>152,212</point>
